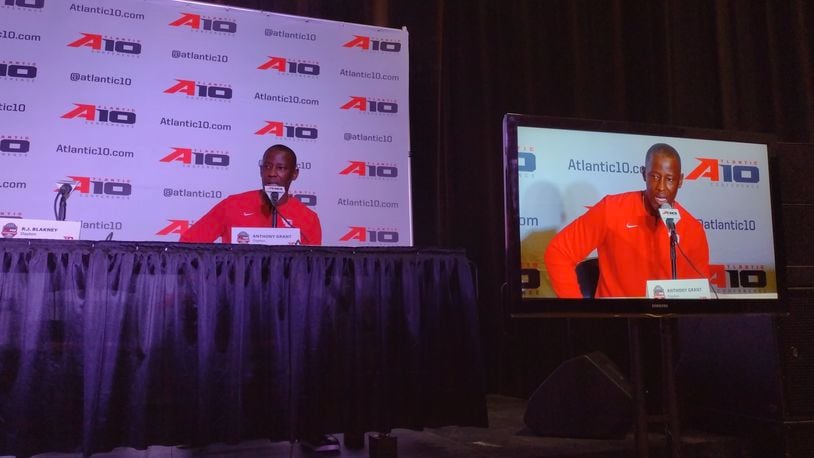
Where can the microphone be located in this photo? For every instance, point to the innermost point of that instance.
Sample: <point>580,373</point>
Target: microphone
<point>65,188</point>
<point>63,192</point>
<point>274,192</point>
<point>669,215</point>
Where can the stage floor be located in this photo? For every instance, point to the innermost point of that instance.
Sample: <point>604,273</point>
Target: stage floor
<point>506,437</point>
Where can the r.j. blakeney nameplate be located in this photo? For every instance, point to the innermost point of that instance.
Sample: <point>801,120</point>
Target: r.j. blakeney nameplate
<point>23,228</point>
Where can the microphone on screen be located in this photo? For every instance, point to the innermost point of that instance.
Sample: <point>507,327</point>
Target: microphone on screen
<point>669,216</point>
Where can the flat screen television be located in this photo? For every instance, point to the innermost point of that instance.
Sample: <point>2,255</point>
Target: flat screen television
<point>556,169</point>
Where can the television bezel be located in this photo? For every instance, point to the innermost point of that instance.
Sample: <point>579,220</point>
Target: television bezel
<point>518,306</point>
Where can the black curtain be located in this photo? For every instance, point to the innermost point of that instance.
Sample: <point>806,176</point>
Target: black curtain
<point>110,344</point>
<point>722,64</point>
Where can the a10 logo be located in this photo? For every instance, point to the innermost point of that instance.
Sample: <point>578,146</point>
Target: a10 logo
<point>18,70</point>
<point>93,113</point>
<point>98,43</point>
<point>176,226</point>
<point>373,106</point>
<point>363,234</point>
<point>192,88</point>
<point>10,145</point>
<point>363,169</point>
<point>529,278</point>
<point>188,156</point>
<point>723,277</point>
<point>280,129</point>
<point>198,22</point>
<point>309,200</point>
<point>98,187</point>
<point>25,3</point>
<point>526,162</point>
<point>713,170</point>
<point>371,44</point>
<point>283,65</point>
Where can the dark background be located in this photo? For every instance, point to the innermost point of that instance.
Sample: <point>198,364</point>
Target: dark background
<point>720,64</point>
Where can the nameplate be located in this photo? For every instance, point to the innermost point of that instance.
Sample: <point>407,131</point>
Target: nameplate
<point>691,288</point>
<point>266,235</point>
<point>43,229</point>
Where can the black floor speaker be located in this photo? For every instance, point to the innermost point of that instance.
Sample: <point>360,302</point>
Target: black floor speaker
<point>586,397</point>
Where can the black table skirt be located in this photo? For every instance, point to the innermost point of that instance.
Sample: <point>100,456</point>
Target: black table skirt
<point>104,344</point>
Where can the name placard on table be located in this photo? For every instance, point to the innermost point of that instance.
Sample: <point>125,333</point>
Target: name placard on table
<point>43,229</point>
<point>692,288</point>
<point>266,235</point>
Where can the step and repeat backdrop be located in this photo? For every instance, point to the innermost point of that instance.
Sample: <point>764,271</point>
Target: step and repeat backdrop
<point>158,109</point>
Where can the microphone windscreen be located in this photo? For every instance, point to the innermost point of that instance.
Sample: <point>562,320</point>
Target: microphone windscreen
<point>274,193</point>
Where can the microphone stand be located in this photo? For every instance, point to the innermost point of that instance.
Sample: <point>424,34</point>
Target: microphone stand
<point>673,240</point>
<point>667,331</point>
<point>62,207</point>
<point>62,196</point>
<point>273,196</point>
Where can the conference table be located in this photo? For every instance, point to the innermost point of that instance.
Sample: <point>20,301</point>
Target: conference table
<point>106,344</point>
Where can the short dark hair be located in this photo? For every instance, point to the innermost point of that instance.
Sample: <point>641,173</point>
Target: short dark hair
<point>281,147</point>
<point>662,148</point>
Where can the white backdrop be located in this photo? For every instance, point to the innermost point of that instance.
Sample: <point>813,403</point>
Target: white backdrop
<point>160,108</point>
<point>726,186</point>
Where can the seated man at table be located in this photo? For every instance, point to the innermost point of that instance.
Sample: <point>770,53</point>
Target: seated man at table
<point>254,208</point>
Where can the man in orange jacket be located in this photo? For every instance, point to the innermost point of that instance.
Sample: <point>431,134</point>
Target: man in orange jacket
<point>253,208</point>
<point>632,242</point>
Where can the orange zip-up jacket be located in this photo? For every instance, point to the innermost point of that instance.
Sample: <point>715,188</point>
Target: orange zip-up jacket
<point>633,247</point>
<point>250,209</point>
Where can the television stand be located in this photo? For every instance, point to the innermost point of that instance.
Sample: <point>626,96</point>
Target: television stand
<point>669,417</point>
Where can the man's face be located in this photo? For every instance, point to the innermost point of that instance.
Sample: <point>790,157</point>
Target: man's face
<point>278,168</point>
<point>662,177</point>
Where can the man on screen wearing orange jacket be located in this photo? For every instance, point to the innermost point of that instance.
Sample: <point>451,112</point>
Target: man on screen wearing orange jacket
<point>632,242</point>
